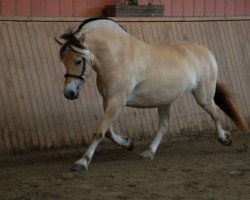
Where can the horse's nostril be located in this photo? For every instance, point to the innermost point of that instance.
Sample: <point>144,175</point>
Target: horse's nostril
<point>71,95</point>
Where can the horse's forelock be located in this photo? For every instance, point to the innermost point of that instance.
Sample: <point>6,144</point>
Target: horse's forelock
<point>72,40</point>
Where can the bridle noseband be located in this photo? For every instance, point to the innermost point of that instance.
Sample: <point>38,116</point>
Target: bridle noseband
<point>82,76</point>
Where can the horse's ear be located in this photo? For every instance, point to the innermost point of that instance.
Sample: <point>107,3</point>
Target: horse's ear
<point>60,41</point>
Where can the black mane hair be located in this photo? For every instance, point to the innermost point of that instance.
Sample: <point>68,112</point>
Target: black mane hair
<point>95,19</point>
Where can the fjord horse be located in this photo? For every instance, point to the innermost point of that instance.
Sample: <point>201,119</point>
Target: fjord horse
<point>133,73</point>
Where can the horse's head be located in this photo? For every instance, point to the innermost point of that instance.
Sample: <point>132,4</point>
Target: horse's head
<point>74,56</point>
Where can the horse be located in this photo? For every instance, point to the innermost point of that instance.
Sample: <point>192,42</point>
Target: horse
<point>136,74</point>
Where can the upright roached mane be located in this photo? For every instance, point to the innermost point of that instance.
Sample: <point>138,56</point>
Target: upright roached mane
<point>76,38</point>
<point>133,73</point>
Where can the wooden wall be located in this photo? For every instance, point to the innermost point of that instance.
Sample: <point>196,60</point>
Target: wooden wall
<point>34,113</point>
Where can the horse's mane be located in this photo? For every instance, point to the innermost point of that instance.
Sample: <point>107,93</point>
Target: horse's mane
<point>69,35</point>
<point>96,19</point>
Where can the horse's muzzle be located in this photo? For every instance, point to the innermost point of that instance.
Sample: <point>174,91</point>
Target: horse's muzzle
<point>71,95</point>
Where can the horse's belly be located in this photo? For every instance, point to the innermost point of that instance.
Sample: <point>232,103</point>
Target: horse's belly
<point>159,93</point>
<point>153,97</point>
<point>146,102</point>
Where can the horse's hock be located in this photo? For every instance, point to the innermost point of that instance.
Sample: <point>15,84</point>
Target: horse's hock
<point>34,113</point>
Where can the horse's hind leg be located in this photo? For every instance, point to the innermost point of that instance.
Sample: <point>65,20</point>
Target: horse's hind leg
<point>126,143</point>
<point>205,99</point>
<point>163,113</point>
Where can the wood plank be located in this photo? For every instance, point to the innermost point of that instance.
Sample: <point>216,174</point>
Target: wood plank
<point>26,60</point>
<point>46,85</point>
<point>6,142</point>
<point>247,69</point>
<point>3,143</point>
<point>235,71</point>
<point>242,59</point>
<point>244,71</point>
<point>62,130</point>
<point>24,80</point>
<point>39,85</point>
<point>27,63</point>
<point>14,93</point>
<point>159,33</point>
<point>55,85</point>
<point>6,116</point>
<point>155,35</point>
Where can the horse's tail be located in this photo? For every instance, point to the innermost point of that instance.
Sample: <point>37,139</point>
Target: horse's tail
<point>225,99</point>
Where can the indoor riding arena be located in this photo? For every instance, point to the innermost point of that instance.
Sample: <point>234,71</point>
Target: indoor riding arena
<point>42,133</point>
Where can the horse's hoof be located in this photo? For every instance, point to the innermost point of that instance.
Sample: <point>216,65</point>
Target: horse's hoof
<point>131,145</point>
<point>148,155</point>
<point>78,168</point>
<point>227,141</point>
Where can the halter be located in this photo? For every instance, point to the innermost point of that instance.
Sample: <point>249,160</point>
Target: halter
<point>82,76</point>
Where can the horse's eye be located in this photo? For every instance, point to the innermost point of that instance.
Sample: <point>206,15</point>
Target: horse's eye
<point>78,62</point>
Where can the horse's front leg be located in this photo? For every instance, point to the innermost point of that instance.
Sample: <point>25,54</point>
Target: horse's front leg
<point>113,108</point>
<point>126,143</point>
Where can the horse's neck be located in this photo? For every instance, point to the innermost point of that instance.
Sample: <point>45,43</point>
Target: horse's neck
<point>102,24</point>
<point>101,46</point>
<point>100,38</point>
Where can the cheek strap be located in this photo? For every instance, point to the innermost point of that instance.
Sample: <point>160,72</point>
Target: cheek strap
<point>82,76</point>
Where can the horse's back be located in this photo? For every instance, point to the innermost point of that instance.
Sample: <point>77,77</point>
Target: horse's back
<point>192,57</point>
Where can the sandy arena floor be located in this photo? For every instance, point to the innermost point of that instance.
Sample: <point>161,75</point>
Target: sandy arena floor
<point>197,167</point>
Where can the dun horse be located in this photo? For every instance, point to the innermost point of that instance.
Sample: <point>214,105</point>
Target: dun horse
<point>135,74</point>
